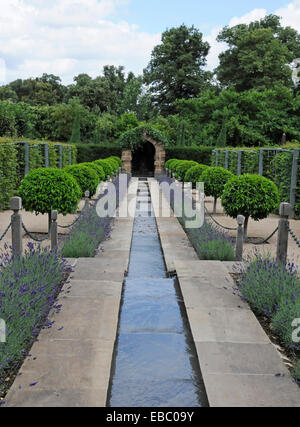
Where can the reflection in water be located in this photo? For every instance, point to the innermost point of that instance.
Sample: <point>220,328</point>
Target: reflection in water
<point>155,362</point>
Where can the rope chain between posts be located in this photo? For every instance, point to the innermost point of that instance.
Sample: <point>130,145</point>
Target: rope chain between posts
<point>73,223</point>
<point>220,225</point>
<point>265,240</point>
<point>34,238</point>
<point>5,232</point>
<point>293,236</point>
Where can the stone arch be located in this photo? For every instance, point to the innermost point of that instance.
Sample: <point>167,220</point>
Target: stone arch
<point>159,158</point>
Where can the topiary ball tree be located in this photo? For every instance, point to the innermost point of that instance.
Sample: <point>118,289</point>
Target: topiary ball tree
<point>114,164</point>
<point>250,195</point>
<point>118,160</point>
<point>108,170</point>
<point>182,169</point>
<point>194,174</point>
<point>173,164</point>
<point>214,181</point>
<point>47,189</point>
<point>97,168</point>
<point>86,177</point>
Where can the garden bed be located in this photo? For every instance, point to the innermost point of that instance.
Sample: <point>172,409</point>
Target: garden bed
<point>273,292</point>
<point>29,287</point>
<point>209,241</point>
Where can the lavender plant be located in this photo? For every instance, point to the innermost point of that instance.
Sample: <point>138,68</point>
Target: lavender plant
<point>28,289</point>
<point>90,230</point>
<point>210,242</point>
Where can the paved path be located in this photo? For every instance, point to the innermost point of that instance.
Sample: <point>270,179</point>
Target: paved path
<point>72,366</point>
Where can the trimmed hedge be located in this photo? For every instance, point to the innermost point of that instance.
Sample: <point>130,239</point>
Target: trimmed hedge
<point>92,152</point>
<point>200,155</point>
<point>8,173</point>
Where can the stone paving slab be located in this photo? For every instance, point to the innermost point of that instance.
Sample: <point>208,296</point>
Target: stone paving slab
<point>251,391</point>
<point>239,358</point>
<point>201,293</point>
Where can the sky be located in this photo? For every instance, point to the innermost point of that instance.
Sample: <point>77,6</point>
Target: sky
<point>69,37</point>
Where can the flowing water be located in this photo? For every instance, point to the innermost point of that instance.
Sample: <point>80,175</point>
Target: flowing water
<point>155,363</point>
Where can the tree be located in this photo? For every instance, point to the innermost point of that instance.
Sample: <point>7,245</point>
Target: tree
<point>250,195</point>
<point>215,180</point>
<point>176,67</point>
<point>75,137</point>
<point>47,189</point>
<point>258,54</point>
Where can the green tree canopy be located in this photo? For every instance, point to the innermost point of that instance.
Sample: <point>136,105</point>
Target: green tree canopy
<point>176,67</point>
<point>258,54</point>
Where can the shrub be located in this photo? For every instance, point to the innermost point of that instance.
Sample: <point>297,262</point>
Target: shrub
<point>250,195</point>
<point>211,243</point>
<point>90,229</point>
<point>28,288</point>
<point>194,174</point>
<point>197,154</point>
<point>114,164</point>
<point>118,160</point>
<point>44,190</point>
<point>172,165</point>
<point>168,163</point>
<point>273,289</point>
<point>92,152</point>
<point>86,177</point>
<point>183,167</point>
<point>214,181</point>
<point>8,173</point>
<point>98,169</point>
<point>108,170</point>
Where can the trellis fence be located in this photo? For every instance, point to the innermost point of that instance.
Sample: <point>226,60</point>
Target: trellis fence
<point>46,155</point>
<point>279,165</point>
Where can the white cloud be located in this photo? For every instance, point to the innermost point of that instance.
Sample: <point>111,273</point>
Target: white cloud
<point>68,37</point>
<point>254,15</point>
<point>290,15</point>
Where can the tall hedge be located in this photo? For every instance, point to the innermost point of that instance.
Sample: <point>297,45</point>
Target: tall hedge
<point>92,152</point>
<point>200,155</point>
<point>12,163</point>
<point>8,173</point>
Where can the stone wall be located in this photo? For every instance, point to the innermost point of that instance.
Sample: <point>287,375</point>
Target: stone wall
<point>159,160</point>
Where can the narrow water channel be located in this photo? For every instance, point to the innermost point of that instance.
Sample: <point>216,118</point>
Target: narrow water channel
<point>155,362</point>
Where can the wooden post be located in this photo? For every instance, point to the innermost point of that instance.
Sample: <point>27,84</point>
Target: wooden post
<point>239,238</point>
<point>53,230</point>
<point>283,234</point>
<point>86,200</point>
<point>16,226</point>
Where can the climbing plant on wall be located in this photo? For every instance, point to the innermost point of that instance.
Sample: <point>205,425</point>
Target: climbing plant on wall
<point>132,138</point>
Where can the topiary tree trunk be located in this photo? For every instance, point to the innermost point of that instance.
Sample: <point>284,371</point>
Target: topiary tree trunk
<point>246,229</point>
<point>215,205</point>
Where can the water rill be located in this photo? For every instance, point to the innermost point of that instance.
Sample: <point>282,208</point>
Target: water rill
<point>155,362</point>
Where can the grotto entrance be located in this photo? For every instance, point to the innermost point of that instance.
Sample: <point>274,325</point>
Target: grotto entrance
<point>143,160</point>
